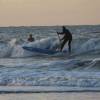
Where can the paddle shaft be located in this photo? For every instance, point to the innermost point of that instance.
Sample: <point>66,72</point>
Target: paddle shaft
<point>59,39</point>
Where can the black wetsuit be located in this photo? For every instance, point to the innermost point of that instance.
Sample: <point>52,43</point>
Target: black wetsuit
<point>67,37</point>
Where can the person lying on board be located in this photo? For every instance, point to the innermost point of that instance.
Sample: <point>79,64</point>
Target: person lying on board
<point>31,39</point>
<point>67,38</point>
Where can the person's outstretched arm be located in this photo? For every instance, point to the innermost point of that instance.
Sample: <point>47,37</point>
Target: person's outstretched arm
<point>60,33</point>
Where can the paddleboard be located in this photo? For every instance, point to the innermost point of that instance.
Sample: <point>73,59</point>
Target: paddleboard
<point>39,50</point>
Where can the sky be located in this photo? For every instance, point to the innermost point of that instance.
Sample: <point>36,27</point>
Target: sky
<point>49,12</point>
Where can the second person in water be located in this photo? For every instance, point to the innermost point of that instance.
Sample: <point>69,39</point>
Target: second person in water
<point>67,38</point>
<point>31,38</point>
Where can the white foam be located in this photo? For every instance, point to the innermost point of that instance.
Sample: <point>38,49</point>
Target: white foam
<point>79,46</point>
<point>5,49</point>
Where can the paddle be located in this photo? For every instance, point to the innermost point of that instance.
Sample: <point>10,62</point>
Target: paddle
<point>59,40</point>
<point>58,37</point>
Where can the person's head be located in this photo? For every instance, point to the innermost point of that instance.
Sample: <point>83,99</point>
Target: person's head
<point>63,27</point>
<point>30,35</point>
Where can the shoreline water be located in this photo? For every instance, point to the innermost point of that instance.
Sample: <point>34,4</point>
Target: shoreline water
<point>51,96</point>
<point>45,89</point>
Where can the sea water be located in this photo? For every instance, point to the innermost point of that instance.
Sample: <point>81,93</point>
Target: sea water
<point>59,72</point>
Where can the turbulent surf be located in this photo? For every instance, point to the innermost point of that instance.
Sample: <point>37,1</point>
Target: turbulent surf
<point>20,67</point>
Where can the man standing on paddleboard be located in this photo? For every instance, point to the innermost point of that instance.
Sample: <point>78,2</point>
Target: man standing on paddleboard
<point>67,38</point>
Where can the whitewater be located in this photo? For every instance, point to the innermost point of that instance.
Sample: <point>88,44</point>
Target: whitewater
<point>79,71</point>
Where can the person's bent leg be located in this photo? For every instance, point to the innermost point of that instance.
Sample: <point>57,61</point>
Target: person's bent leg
<point>69,46</point>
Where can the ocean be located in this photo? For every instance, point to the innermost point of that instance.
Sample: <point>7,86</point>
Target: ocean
<point>22,70</point>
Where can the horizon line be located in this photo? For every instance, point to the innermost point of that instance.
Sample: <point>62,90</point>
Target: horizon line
<point>50,25</point>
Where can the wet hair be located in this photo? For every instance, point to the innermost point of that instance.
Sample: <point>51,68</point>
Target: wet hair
<point>64,28</point>
<point>30,35</point>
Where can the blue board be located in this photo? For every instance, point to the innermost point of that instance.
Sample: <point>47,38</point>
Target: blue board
<point>39,50</point>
